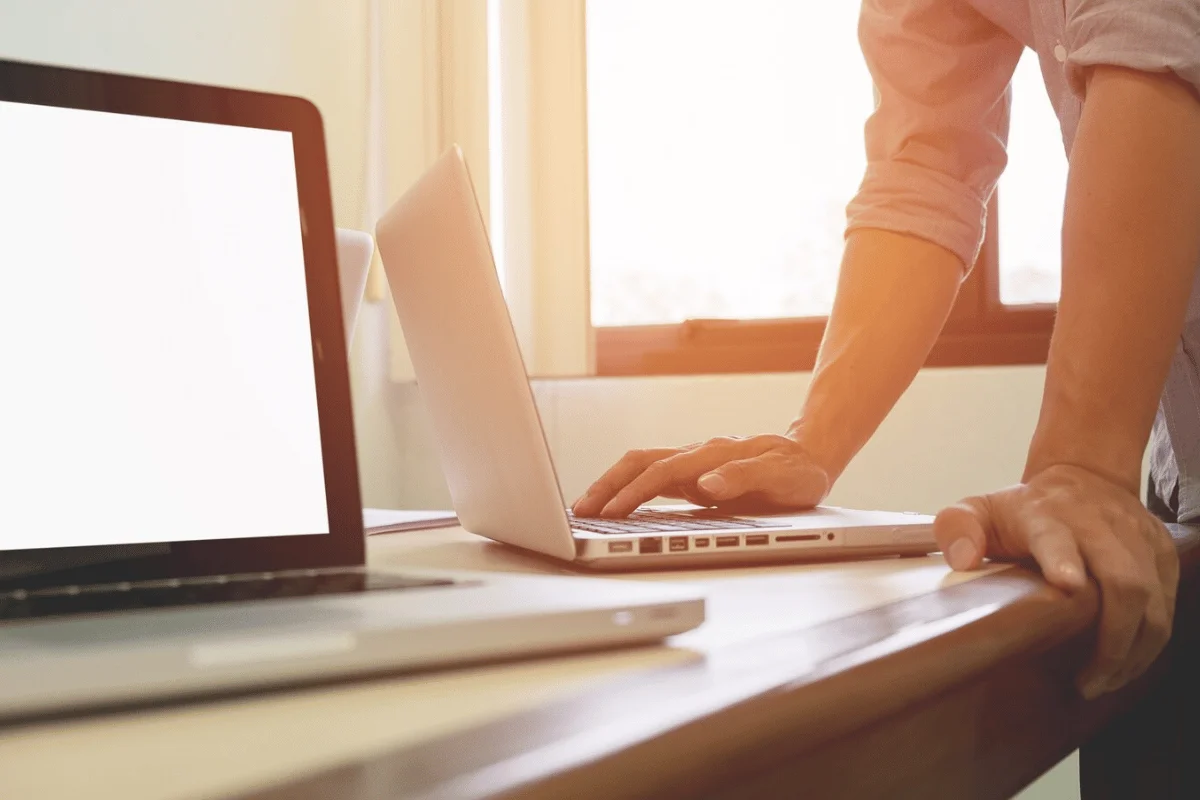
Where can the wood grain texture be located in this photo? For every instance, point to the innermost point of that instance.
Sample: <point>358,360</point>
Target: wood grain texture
<point>967,692</point>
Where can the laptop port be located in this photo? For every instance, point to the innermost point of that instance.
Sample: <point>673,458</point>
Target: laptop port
<point>620,547</point>
<point>700,541</point>
<point>651,544</point>
<point>678,544</point>
<point>757,539</point>
<point>798,537</point>
<point>727,541</point>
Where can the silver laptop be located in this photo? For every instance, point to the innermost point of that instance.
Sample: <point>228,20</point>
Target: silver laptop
<point>355,249</point>
<point>501,477</point>
<point>181,510</point>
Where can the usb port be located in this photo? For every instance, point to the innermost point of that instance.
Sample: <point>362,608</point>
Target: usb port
<point>620,547</point>
<point>651,544</point>
<point>700,541</point>
<point>678,544</point>
<point>727,541</point>
<point>758,538</point>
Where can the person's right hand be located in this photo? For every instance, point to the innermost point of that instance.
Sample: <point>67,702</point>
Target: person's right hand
<point>758,473</point>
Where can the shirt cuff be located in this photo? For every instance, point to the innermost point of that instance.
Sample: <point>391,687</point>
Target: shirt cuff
<point>906,198</point>
<point>1158,37</point>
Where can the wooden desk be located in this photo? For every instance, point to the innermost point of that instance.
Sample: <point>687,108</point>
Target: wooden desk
<point>959,689</point>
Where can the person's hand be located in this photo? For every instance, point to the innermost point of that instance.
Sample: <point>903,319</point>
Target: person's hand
<point>1074,522</point>
<point>759,472</point>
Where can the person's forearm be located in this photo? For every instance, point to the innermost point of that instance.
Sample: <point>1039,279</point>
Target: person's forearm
<point>894,294</point>
<point>1131,239</point>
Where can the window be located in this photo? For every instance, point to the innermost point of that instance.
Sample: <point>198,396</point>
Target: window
<point>1031,194</point>
<point>718,170</point>
<point>724,141</point>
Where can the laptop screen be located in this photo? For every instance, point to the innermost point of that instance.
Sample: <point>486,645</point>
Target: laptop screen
<point>154,333</point>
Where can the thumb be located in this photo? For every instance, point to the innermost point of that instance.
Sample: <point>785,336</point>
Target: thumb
<point>961,532</point>
<point>779,479</point>
<point>730,480</point>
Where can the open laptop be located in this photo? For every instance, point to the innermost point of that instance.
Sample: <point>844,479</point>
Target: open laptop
<point>501,477</point>
<point>181,509</point>
<point>355,249</point>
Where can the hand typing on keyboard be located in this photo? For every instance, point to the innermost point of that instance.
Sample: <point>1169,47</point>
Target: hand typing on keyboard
<point>758,473</point>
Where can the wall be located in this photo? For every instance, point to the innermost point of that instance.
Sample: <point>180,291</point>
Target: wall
<point>955,432</point>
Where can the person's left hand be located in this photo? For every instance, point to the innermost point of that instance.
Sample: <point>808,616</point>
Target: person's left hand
<point>1074,522</point>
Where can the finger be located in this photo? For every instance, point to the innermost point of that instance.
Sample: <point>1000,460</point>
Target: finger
<point>687,493</point>
<point>1053,547</point>
<point>782,480</point>
<point>616,478</point>
<point>1152,638</point>
<point>1158,548</point>
<point>666,473</point>
<point>1166,558</point>
<point>1124,596</point>
<point>961,531</point>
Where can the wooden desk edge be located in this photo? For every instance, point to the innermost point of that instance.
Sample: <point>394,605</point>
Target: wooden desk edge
<point>765,715</point>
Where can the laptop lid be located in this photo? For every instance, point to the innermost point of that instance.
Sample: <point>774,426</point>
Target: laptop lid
<point>176,399</point>
<point>355,250</point>
<point>435,251</point>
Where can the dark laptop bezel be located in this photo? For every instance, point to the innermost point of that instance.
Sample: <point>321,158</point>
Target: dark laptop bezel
<point>344,544</point>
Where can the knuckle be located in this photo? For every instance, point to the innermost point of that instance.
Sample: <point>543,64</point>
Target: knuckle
<point>658,471</point>
<point>1158,627</point>
<point>1128,584</point>
<point>771,440</point>
<point>635,456</point>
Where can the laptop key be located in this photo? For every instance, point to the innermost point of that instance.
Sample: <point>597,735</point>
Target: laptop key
<point>665,521</point>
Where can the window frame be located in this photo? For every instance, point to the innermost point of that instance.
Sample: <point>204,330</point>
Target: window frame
<point>547,248</point>
<point>980,331</point>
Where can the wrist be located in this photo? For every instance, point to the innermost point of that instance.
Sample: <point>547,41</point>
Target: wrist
<point>818,448</point>
<point>1115,463</point>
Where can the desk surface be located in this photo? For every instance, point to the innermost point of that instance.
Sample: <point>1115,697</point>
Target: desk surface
<point>860,679</point>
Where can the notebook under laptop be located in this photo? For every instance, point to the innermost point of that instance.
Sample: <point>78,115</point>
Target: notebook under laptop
<point>181,509</point>
<point>501,477</point>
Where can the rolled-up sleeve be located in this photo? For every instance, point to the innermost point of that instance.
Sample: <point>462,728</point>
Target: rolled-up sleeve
<point>936,141</point>
<point>1146,35</point>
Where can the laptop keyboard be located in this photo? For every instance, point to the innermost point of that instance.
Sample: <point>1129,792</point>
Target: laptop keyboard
<point>71,600</point>
<point>663,521</point>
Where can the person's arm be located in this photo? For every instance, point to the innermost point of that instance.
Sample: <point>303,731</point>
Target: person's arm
<point>935,148</point>
<point>1131,242</point>
<point>894,294</point>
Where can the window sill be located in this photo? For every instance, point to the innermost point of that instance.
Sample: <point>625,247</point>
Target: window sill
<point>1015,336</point>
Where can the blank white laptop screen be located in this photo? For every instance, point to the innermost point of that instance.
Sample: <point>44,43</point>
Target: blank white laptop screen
<point>158,381</point>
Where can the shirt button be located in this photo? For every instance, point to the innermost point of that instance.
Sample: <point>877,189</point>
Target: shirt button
<point>1060,53</point>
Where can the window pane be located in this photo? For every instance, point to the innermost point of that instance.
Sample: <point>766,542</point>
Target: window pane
<point>725,140</point>
<point>1031,194</point>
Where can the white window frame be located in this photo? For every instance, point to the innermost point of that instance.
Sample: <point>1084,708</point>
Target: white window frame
<point>436,60</point>
<point>431,76</point>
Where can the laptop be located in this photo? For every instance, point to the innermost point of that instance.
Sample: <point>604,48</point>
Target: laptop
<point>493,450</point>
<point>355,249</point>
<point>181,510</point>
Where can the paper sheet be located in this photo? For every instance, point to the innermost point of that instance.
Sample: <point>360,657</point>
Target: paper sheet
<point>386,520</point>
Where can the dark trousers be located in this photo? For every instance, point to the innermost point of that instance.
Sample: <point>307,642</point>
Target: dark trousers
<point>1150,751</point>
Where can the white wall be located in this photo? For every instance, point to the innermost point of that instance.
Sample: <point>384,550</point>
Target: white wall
<point>955,432</point>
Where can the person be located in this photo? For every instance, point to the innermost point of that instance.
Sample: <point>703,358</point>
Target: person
<point>1123,78</point>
